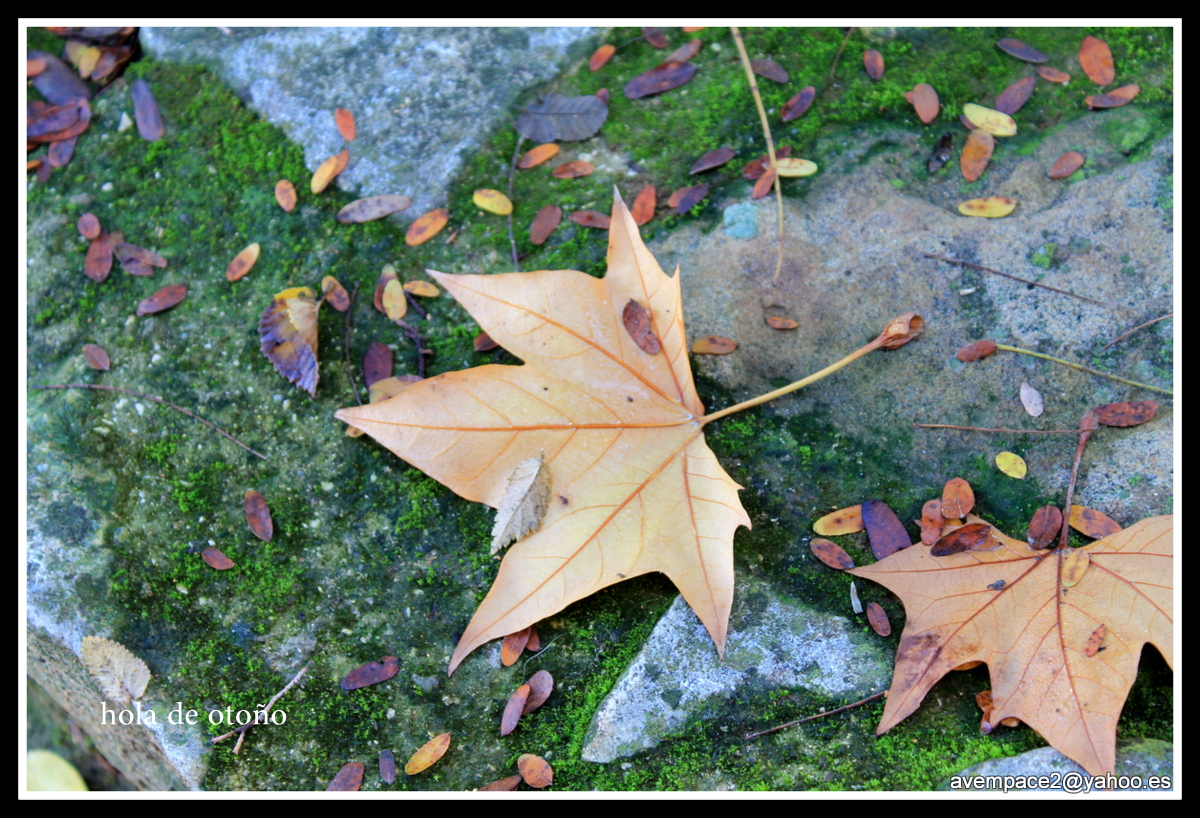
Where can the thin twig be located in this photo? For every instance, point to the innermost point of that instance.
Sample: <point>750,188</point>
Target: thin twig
<point>1087,424</point>
<point>842,709</point>
<point>1025,281</point>
<point>512,173</point>
<point>346,346</point>
<point>413,301</point>
<point>762,116</point>
<point>1084,368</point>
<point>260,716</point>
<point>838,56</point>
<point>1015,431</point>
<point>1125,335</point>
<point>415,337</point>
<point>193,416</point>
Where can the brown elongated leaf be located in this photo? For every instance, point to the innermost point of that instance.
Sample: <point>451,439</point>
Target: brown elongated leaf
<point>795,107</point>
<point>523,505</point>
<point>1092,523</point>
<point>348,779</point>
<point>535,771</point>
<point>1092,646</point>
<point>534,644</point>
<point>971,537</point>
<point>591,218</point>
<point>1126,413</point>
<point>1096,60</point>
<point>779,322</point>
<point>426,227</point>
<point>511,647</point>
<point>976,350</point>
<point>387,274</point>
<point>556,117</point>
<point>377,364</point>
<point>96,357</point>
<point>88,226</point>
<point>932,522</point>
<point>636,319</point>
<point>714,345</point>
<point>597,393</point>
<point>686,51</point>
<point>75,129</point>
<point>884,529</point>
<point>285,194</point>
<point>770,69</point>
<point>1015,609</point>
<point>686,198</point>
<point>764,184</point>
<point>145,111</point>
<point>1015,95</point>
<point>372,208</point>
<point>333,292</point>
<point>345,124</point>
<point>541,685</point>
<point>536,156</point>
<point>843,521</point>
<point>924,100</point>
<point>328,170</point>
<point>1114,98</point>
<point>1066,164</point>
<point>712,159</point>
<point>654,36</point>
<point>164,299</point>
<point>136,260</point>
<point>97,264</point>
<point>52,120</point>
<point>873,62</point>
<point>216,559</point>
<point>644,204</point>
<point>514,709</point>
<point>387,766</point>
<point>660,78</point>
<point>976,154</point>
<point>1020,50</point>
<point>601,56</point>
<point>544,223</point>
<point>830,553</point>
<point>1053,74</point>
<point>878,618</point>
<point>243,262</point>
<point>503,785</point>
<point>287,332</point>
<point>756,169</point>
<point>57,82</point>
<point>258,515</point>
<point>122,677</point>
<point>574,169</point>
<point>1044,527</point>
<point>957,499</point>
<point>371,673</point>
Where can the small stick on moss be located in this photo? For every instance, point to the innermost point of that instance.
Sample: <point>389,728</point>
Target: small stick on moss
<point>1087,424</point>
<point>762,116</point>
<point>1085,369</point>
<point>838,56</point>
<point>216,429</point>
<point>512,173</point>
<point>260,716</point>
<point>1024,281</point>
<point>981,429</point>
<point>346,347</point>
<point>413,302</point>
<point>841,709</point>
<point>1125,335</point>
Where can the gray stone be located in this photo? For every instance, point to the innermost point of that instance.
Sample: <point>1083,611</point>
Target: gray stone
<point>1142,757</point>
<point>422,98</point>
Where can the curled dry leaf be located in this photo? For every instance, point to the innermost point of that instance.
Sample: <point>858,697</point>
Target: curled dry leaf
<point>544,223</point>
<point>557,117</point>
<point>976,154</point>
<point>514,709</point>
<point>1044,527</point>
<point>1015,95</point>
<point>371,673</point>
<point>884,529</point>
<point>686,51</point>
<point>285,194</point>
<point>795,107</point>
<point>574,169</point>
<point>686,198</point>
<point>242,262</point>
<point>522,507</point>
<point>855,603</point>
<point>770,69</point>
<point>712,159</point>
<point>1031,399</point>
<point>136,260</point>
<point>1066,164</point>
<point>387,766</point>
<point>1092,523</point>
<point>426,227</point>
<point>660,78</point>
<point>779,322</point>
<point>122,677</point>
<point>216,559</point>
<point>541,685</point>
<point>536,156</point>
<point>976,350</point>
<point>644,204</point>
<point>591,218</point>
<point>830,553</point>
<point>335,293</point>
<point>422,289</point>
<point>348,779</point>
<point>88,226</point>
<point>395,304</point>
<point>957,499</point>
<point>1126,413</point>
<point>1114,98</point>
<point>371,208</point>
<point>258,516</point>
<point>503,785</point>
<point>924,100</point>
<point>654,36</point>
<point>96,357</point>
<point>997,123</point>
<point>345,124</point>
<point>512,645</point>
<point>329,169</point>
<point>601,56</point>
<point>636,319</point>
<point>878,618</point>
<point>843,521</point>
<point>534,769</point>
<point>901,330</point>
<point>387,274</point>
<point>1053,74</point>
<point>873,62</point>
<point>1096,60</point>
<point>714,345</point>
<point>377,364</point>
<point>162,300</point>
<point>1021,51</point>
<point>97,264</point>
<point>287,332</point>
<point>492,201</point>
<point>145,111</point>
<point>989,207</point>
<point>793,167</point>
<point>932,522</point>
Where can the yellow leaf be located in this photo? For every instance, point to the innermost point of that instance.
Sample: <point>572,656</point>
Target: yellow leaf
<point>426,227</point>
<point>843,521</point>
<point>792,167</point>
<point>395,304</point>
<point>430,752</point>
<point>493,201</point>
<point>288,332</point>
<point>330,168</point>
<point>990,120</point>
<point>242,262</point>
<point>422,288</point>
<point>121,675</point>
<point>991,207</point>
<point>1011,464</point>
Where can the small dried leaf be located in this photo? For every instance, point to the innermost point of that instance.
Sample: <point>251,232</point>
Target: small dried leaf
<point>503,785</point>
<point>1011,464</point>
<point>855,603</point>
<point>96,357</point>
<point>660,78</point>
<point>779,322</point>
<point>49,121</point>
<point>395,304</point>
<point>713,159</point>
<point>1015,95</point>
<point>162,300</point>
<point>901,330</point>
<point>426,227</point>
<point>242,262</point>
<point>523,505</point>
<point>57,82</point>
<point>756,169</point>
<point>493,201</point>
<point>1092,523</point>
<point>884,529</point>
<point>976,350</point>
<point>371,673</point>
<point>686,51</point>
<point>770,69</point>
<point>544,223</point>
<point>534,769</point>
<point>830,553</point>
<point>377,364</point>
<point>603,95</point>
<point>387,274</point>
<point>714,345</point>
<point>591,218</point>
<point>1126,413</point>
<point>33,66</point>
<point>932,522</point>
<point>878,618</point>
<point>643,206</point>
<point>795,107</point>
<point>1066,164</point>
<point>514,709</point>
<point>537,156</point>
<point>287,333</point>
<point>1075,562</point>
<point>371,208</point>
<point>429,753</point>
<point>843,521</point>
<point>335,293</point>
<point>601,56</point>
<point>557,117</point>
<point>1044,527</point>
<point>1021,51</point>
<point>59,153</point>
<point>976,154</point>
<point>970,537</point>
<point>216,559</point>
<point>764,184</point>
<point>637,323</point>
<point>122,677</point>
<point>328,169</point>
<point>1096,60</point>
<point>1053,74</point>
<point>989,207</point>
<point>574,169</point>
<point>1031,399</point>
<point>1114,98</point>
<point>1092,646</point>
<point>873,62</point>
<point>88,226</point>
<point>484,343</point>
<point>957,499</point>
<point>534,644</point>
<point>145,111</point>
<point>88,58</point>
<point>541,685</point>
<point>125,251</point>
<point>994,122</point>
<point>345,124</point>
<point>285,194</point>
<point>387,766</point>
<point>686,198</point>
<point>422,289</point>
<point>925,100</point>
<point>258,516</point>
<point>793,167</point>
<point>512,645</point>
<point>98,262</point>
<point>654,36</point>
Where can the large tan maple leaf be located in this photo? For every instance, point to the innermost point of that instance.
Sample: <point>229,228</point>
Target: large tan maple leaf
<point>633,487</point>
<point>1017,610</point>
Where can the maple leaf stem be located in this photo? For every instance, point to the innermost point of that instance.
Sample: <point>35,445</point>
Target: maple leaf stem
<point>1084,368</point>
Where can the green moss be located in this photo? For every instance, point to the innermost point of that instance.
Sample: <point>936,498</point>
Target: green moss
<point>1043,256</point>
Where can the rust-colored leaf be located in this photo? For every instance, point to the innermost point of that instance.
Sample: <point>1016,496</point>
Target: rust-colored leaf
<point>971,537</point>
<point>429,753</point>
<point>534,644</point>
<point>1053,74</point>
<point>714,345</point>
<point>97,264</point>
<point>541,685</point>
<point>660,78</point>
<point>49,121</point>
<point>591,218</point>
<point>136,260</point>
<point>1020,50</point>
<point>503,785</point>
<point>328,170</point>
<point>713,159</point>
<point>216,559</point>
<point>686,198</point>
<point>924,100</point>
<point>644,204</point>
<point>377,363</point>
<point>162,300</point>
<point>601,56</point>
<point>830,553</point>
<point>34,66</point>
<point>1126,413</point>
<point>83,116</point>
<point>1066,164</point>
<point>387,274</point>
<point>957,499</point>
<point>371,208</point>
<point>1092,523</point>
<point>637,323</point>
<point>258,516</point>
<point>536,156</point>
<point>1015,95</point>
<point>242,262</point>
<point>371,673</point>
<point>511,647</point>
<point>1114,98</point>
<point>873,62</point>
<point>395,303</point>
<point>770,69</point>
<point>1044,527</point>
<point>976,154</point>
<point>544,223</point>
<point>574,169</point>
<point>96,357</point>
<point>878,618</point>
<point>686,51</point>
<point>333,292</point>
<point>345,124</point>
<point>843,521</point>
<point>932,522</point>
<point>422,289</point>
<point>145,111</point>
<point>1092,646</point>
<point>387,766</point>
<point>59,153</point>
<point>88,226</point>
<point>884,529</point>
<point>426,227</point>
<point>1096,60</point>
<point>779,322</point>
<point>484,343</point>
<point>654,36</point>
<point>758,167</point>
<point>287,331</point>
<point>764,184</point>
<point>285,194</point>
<point>534,769</point>
<point>976,350</point>
<point>514,709</point>
<point>603,96</point>
<point>795,107</point>
<point>348,779</point>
